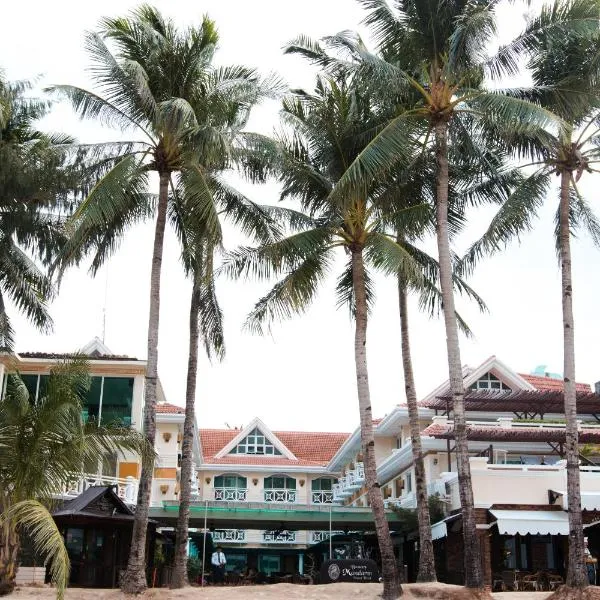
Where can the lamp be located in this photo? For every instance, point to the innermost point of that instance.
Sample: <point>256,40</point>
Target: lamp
<point>167,436</point>
<point>164,488</point>
<point>301,482</point>
<point>207,479</point>
<point>255,481</point>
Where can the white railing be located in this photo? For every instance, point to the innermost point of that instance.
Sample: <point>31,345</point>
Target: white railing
<point>335,489</point>
<point>408,501</point>
<point>322,496</point>
<point>167,461</point>
<point>127,488</point>
<point>322,536</point>
<point>280,495</point>
<point>344,490</point>
<point>231,494</point>
<point>279,537</point>
<point>437,488</point>
<point>229,535</point>
<point>359,473</point>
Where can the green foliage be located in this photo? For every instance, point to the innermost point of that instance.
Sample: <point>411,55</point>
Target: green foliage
<point>44,445</point>
<point>194,569</point>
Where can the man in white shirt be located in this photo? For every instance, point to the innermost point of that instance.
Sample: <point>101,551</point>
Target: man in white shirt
<point>218,562</point>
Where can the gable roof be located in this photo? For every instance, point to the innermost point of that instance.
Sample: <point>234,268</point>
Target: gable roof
<point>551,384</point>
<point>310,448</point>
<point>83,504</point>
<point>471,375</point>
<point>169,409</point>
<point>256,423</point>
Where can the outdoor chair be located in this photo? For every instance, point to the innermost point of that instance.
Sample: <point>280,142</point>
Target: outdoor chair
<point>530,582</point>
<point>498,583</point>
<point>554,581</point>
<point>510,580</point>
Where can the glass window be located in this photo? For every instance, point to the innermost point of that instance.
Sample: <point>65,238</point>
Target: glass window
<point>74,542</point>
<point>235,562</point>
<point>31,382</point>
<point>489,382</point>
<point>322,485</point>
<point>91,404</point>
<point>117,400</point>
<point>409,482</point>
<point>256,443</point>
<point>280,482</point>
<point>231,481</point>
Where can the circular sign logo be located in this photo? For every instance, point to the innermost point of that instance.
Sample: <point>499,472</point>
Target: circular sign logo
<point>333,571</point>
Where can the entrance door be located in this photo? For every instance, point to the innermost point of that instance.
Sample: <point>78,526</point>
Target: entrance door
<point>269,563</point>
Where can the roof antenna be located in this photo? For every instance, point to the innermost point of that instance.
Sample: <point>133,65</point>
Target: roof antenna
<point>104,307</point>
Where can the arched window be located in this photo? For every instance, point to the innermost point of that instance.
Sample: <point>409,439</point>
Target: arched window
<point>231,488</point>
<point>322,490</point>
<point>280,488</point>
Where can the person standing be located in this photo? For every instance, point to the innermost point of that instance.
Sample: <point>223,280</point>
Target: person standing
<point>218,562</point>
<point>591,563</point>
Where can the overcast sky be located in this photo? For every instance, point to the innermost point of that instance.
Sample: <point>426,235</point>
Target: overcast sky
<point>303,376</point>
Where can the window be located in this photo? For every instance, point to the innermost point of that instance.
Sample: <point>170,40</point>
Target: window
<point>322,485</point>
<point>117,400</point>
<point>256,443</point>
<point>488,383</point>
<point>280,482</point>
<point>231,481</point>
<point>408,483</point>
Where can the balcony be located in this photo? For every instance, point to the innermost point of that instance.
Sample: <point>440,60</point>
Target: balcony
<point>280,495</point>
<point>127,488</point>
<point>279,537</point>
<point>231,494</point>
<point>322,497</point>
<point>344,490</point>
<point>335,490</point>
<point>322,536</point>
<point>229,536</point>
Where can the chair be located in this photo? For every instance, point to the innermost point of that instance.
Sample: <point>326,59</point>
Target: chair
<point>498,583</point>
<point>554,581</point>
<point>510,580</point>
<point>530,582</point>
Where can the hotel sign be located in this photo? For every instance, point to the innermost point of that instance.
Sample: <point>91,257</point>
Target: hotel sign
<point>357,571</point>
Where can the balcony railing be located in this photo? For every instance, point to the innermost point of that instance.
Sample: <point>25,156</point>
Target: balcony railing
<point>231,494</point>
<point>230,536</point>
<point>279,537</point>
<point>322,536</point>
<point>322,497</point>
<point>127,488</point>
<point>167,461</point>
<point>277,495</point>
<point>344,490</point>
<point>335,489</point>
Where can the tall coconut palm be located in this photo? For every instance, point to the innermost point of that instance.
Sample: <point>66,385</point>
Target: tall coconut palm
<point>160,84</point>
<point>328,129</point>
<point>566,76</point>
<point>45,444</point>
<point>438,49</point>
<point>35,180</point>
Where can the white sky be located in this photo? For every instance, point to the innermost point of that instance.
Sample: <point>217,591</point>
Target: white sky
<point>302,377</point>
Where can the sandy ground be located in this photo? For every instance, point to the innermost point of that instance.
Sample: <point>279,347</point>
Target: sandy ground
<point>281,591</point>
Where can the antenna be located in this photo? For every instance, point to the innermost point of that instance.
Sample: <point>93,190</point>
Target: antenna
<point>104,307</point>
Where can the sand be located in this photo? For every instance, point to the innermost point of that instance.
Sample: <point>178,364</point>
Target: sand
<point>281,591</point>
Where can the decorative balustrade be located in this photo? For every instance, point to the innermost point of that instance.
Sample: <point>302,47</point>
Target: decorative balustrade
<point>167,461</point>
<point>322,536</point>
<point>279,537</point>
<point>231,494</point>
<point>230,536</point>
<point>437,488</point>
<point>359,473</point>
<point>280,495</point>
<point>344,490</point>
<point>335,490</point>
<point>322,497</point>
<point>127,488</point>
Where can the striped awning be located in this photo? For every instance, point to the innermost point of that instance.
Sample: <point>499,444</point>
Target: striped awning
<point>534,522</point>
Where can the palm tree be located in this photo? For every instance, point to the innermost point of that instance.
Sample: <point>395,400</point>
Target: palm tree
<point>329,128</point>
<point>45,444</point>
<point>160,84</point>
<point>565,81</point>
<point>437,49</point>
<point>35,181</point>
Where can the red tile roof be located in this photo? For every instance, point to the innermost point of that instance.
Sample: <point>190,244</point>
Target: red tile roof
<point>492,433</point>
<point>309,447</point>
<point>72,355</point>
<point>170,409</point>
<point>542,383</point>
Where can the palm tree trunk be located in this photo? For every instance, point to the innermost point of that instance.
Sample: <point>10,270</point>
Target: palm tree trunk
<point>179,578</point>
<point>473,570</point>
<point>9,551</point>
<point>576,575</point>
<point>391,580</point>
<point>426,558</point>
<point>134,579</point>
